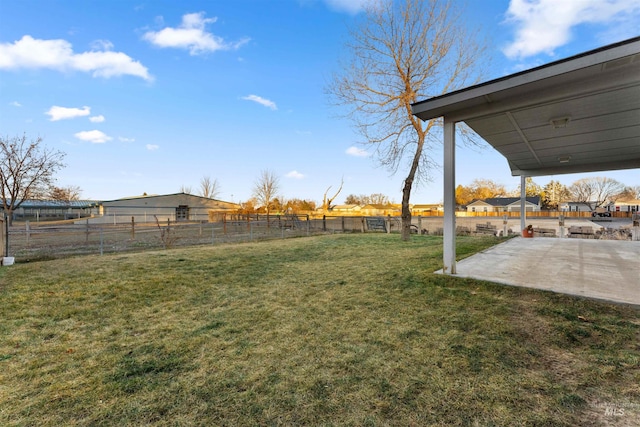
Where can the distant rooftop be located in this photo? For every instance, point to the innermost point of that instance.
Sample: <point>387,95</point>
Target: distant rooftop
<point>59,204</point>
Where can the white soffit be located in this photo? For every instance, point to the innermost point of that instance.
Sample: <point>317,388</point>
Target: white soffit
<point>580,114</point>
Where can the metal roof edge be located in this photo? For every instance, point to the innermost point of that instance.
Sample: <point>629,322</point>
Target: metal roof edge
<point>605,53</point>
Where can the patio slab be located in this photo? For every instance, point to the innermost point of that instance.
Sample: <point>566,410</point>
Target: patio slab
<point>601,269</point>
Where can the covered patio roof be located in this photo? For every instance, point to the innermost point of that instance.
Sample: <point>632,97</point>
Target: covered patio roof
<point>580,114</point>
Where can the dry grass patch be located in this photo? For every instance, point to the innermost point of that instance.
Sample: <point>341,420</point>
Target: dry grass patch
<point>331,330</point>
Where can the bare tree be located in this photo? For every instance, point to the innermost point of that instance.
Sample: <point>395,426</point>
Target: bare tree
<point>266,188</point>
<point>377,199</point>
<point>26,171</point>
<point>629,193</point>
<point>186,189</point>
<point>352,199</point>
<point>362,199</point>
<point>595,192</point>
<point>65,194</point>
<point>326,201</point>
<point>403,52</point>
<point>208,188</point>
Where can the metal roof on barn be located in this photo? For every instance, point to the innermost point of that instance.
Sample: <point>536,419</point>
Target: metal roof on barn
<point>57,204</point>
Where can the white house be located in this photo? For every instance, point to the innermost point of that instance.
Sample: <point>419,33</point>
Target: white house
<point>421,209</point>
<point>626,206</point>
<point>345,209</point>
<point>584,206</point>
<point>575,207</point>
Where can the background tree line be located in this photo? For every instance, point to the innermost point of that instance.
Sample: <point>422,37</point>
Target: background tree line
<point>592,192</point>
<point>27,170</point>
<point>372,199</point>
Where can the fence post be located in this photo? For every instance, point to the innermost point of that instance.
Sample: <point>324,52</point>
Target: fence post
<point>213,233</point>
<point>101,241</point>
<point>28,229</point>
<point>86,232</point>
<point>308,226</point>
<point>420,224</point>
<point>324,223</point>
<point>388,224</point>
<point>362,224</point>
<point>6,234</point>
<point>133,228</point>
<point>342,224</point>
<point>504,225</point>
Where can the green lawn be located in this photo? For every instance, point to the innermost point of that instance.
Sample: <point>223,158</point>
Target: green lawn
<point>331,330</point>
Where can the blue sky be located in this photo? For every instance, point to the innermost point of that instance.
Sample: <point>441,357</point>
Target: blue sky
<point>149,96</point>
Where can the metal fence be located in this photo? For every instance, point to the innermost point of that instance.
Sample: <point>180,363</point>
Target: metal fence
<point>47,240</point>
<point>39,241</point>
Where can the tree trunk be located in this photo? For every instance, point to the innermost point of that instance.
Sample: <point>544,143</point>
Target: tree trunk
<point>406,190</point>
<point>406,212</point>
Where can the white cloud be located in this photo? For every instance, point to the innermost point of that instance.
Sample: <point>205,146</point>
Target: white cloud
<point>294,175</point>
<point>349,6</point>
<point>152,147</point>
<point>191,35</point>
<point>93,136</point>
<point>15,104</point>
<point>63,113</point>
<point>97,119</point>
<point>357,152</point>
<point>101,45</point>
<point>262,101</point>
<point>543,25</point>
<point>123,139</point>
<point>58,55</point>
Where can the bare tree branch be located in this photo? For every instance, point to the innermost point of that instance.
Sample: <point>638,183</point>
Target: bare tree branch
<point>326,202</point>
<point>26,171</point>
<point>209,188</point>
<point>66,194</point>
<point>402,52</point>
<point>266,188</point>
<point>595,192</point>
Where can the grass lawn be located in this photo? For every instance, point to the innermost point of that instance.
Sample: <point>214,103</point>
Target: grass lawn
<point>331,330</point>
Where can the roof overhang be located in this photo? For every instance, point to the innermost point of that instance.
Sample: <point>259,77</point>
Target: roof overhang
<point>580,114</point>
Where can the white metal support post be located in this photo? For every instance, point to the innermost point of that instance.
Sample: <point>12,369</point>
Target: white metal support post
<point>523,202</point>
<point>449,230</point>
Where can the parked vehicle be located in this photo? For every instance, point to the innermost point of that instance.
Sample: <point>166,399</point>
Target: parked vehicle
<point>601,212</point>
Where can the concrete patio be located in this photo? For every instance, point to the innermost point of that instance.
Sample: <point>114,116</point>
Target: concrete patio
<point>601,269</point>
